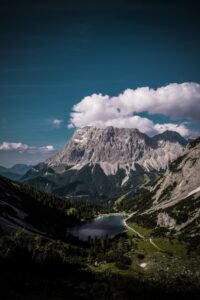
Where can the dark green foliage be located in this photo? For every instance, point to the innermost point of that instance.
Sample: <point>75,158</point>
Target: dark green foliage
<point>123,263</point>
<point>41,269</point>
<point>141,256</point>
<point>90,181</point>
<point>183,210</point>
<point>194,143</point>
<point>166,193</point>
<point>44,212</point>
<point>47,213</point>
<point>38,268</point>
<point>194,244</point>
<point>148,221</point>
<point>55,267</point>
<point>174,166</point>
<point>160,231</point>
<point>136,201</point>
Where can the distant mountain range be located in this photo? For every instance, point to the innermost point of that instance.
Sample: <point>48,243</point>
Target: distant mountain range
<point>15,172</point>
<point>102,163</point>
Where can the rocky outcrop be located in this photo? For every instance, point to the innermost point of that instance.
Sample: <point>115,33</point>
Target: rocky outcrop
<point>181,179</point>
<point>165,220</point>
<point>175,203</point>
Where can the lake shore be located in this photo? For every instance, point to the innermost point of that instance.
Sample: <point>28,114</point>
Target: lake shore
<point>111,214</point>
<point>104,225</point>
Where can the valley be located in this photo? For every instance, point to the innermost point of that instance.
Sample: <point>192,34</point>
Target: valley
<point>143,241</point>
<point>99,150</point>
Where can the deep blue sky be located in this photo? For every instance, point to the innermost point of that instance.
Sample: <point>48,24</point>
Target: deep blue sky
<point>53,53</point>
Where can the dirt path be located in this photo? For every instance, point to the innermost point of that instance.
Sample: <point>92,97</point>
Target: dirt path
<point>139,234</point>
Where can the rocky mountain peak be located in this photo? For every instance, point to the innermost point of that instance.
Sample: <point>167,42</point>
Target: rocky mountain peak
<point>171,136</point>
<point>102,161</point>
<point>124,147</point>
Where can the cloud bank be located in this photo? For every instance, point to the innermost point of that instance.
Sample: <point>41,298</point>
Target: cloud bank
<point>175,101</point>
<point>5,146</point>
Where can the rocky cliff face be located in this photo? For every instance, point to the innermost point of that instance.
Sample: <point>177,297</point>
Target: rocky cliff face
<point>114,148</point>
<point>181,179</point>
<point>176,197</point>
<point>101,161</point>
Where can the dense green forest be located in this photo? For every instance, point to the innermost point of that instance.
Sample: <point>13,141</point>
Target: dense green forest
<point>46,212</point>
<point>53,265</point>
<point>39,268</point>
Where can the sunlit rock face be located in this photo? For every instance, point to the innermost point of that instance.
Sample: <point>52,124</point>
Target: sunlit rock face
<point>102,161</point>
<point>114,148</point>
<point>175,202</point>
<point>181,180</point>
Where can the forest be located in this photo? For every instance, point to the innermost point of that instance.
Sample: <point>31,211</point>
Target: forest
<point>56,265</point>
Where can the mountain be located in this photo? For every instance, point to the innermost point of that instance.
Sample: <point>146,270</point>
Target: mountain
<point>175,203</point>
<point>34,212</point>
<point>14,172</point>
<point>20,169</point>
<point>9,174</point>
<point>100,163</point>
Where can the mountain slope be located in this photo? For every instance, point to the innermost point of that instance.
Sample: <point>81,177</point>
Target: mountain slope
<point>22,207</point>
<point>100,163</point>
<point>20,169</point>
<point>182,179</point>
<point>175,203</point>
<point>14,172</point>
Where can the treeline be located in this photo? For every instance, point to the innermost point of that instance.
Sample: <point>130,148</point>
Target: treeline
<point>38,268</point>
<point>45,212</point>
<point>136,201</point>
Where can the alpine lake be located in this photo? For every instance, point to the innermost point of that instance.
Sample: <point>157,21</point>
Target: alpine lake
<point>108,225</point>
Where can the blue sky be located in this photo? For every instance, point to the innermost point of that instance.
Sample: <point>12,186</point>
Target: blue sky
<point>55,53</point>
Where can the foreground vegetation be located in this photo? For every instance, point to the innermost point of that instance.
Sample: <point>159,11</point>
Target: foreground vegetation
<point>39,268</point>
<point>55,266</point>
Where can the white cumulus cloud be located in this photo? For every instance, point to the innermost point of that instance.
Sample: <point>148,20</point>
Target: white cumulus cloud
<point>176,101</point>
<point>57,122</point>
<point>5,146</point>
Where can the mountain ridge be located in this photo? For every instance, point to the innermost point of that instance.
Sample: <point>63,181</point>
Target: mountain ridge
<point>101,157</point>
<point>174,203</point>
<point>109,139</point>
<point>15,172</point>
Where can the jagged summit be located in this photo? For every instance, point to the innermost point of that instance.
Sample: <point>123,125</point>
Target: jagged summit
<point>171,136</point>
<point>101,161</point>
<point>121,146</point>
